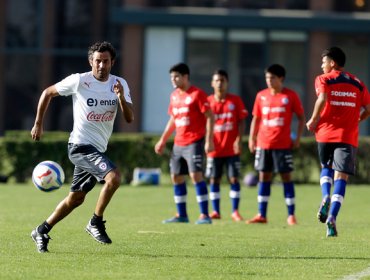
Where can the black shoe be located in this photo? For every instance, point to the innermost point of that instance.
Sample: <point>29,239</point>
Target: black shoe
<point>41,240</point>
<point>98,232</point>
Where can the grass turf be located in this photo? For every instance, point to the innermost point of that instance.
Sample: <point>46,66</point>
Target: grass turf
<point>144,248</point>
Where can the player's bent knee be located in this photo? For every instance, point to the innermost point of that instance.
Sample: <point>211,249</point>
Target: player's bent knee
<point>76,199</point>
<point>113,178</point>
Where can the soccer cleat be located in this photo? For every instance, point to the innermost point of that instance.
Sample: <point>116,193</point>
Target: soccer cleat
<point>235,216</point>
<point>323,212</point>
<point>41,240</point>
<point>176,219</point>
<point>258,219</point>
<point>98,232</point>
<point>203,220</point>
<point>291,220</point>
<point>215,215</point>
<point>331,227</point>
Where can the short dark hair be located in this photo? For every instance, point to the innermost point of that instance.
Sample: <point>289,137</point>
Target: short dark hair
<point>276,69</point>
<point>181,68</point>
<point>221,72</point>
<point>335,54</point>
<point>101,47</point>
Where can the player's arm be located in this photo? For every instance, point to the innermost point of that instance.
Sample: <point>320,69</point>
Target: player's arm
<point>365,113</point>
<point>319,106</point>
<point>300,127</point>
<point>126,107</point>
<point>252,142</point>
<point>169,129</point>
<point>46,96</point>
<point>238,141</point>
<point>209,145</point>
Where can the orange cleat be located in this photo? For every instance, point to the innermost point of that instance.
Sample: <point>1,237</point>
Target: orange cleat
<point>291,220</point>
<point>258,219</point>
<point>235,216</point>
<point>215,215</point>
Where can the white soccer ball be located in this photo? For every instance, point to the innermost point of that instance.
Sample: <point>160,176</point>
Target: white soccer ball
<point>48,176</point>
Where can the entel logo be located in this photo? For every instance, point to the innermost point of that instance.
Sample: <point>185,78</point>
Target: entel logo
<point>104,102</point>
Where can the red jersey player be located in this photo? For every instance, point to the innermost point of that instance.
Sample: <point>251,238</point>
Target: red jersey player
<point>229,113</point>
<point>192,118</point>
<point>270,139</point>
<point>335,118</point>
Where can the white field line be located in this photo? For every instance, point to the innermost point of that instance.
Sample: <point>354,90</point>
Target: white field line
<point>358,275</point>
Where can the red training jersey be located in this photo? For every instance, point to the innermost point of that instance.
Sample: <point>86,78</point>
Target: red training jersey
<point>275,112</point>
<point>339,120</point>
<point>187,109</point>
<point>227,113</point>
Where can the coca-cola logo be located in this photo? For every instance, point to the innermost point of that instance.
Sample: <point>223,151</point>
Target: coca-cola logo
<point>105,117</point>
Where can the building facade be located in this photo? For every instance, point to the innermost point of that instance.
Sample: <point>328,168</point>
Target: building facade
<point>42,41</point>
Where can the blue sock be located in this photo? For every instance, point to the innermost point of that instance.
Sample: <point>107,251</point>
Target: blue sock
<point>202,196</point>
<point>338,196</point>
<point>235,196</point>
<point>214,196</point>
<point>289,196</point>
<point>180,194</point>
<point>264,191</point>
<point>326,181</point>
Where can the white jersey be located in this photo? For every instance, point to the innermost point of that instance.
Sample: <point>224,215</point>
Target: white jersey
<point>94,107</point>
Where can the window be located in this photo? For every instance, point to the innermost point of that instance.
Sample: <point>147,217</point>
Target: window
<point>21,97</point>
<point>288,48</point>
<point>20,35</point>
<point>204,55</point>
<point>74,24</point>
<point>246,61</point>
<point>351,6</point>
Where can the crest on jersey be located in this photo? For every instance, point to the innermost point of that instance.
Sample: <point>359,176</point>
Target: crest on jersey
<point>103,166</point>
<point>231,106</point>
<point>285,100</point>
<point>188,100</point>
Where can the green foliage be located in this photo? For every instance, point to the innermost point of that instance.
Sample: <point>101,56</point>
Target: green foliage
<point>144,248</point>
<point>20,154</point>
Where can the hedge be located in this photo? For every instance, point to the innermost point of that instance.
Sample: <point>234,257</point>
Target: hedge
<point>20,154</point>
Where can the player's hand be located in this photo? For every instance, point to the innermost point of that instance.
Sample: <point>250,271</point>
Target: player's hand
<point>159,147</point>
<point>252,145</point>
<point>209,146</point>
<point>118,88</point>
<point>311,125</point>
<point>36,132</point>
<point>237,147</point>
<point>296,143</point>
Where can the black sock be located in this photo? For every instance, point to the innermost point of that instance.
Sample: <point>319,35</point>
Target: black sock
<point>96,219</point>
<point>44,228</point>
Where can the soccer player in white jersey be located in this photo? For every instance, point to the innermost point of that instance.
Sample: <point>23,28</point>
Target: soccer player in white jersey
<point>96,96</point>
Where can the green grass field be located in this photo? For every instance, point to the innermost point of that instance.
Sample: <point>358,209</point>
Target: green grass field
<point>144,248</point>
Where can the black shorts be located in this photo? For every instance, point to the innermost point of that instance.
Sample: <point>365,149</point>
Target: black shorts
<point>340,156</point>
<point>215,167</point>
<point>90,166</point>
<point>279,161</point>
<point>185,159</point>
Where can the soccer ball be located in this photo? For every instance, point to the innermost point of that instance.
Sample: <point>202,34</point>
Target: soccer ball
<point>250,179</point>
<point>48,176</point>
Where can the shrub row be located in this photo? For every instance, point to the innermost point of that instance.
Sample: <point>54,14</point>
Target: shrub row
<point>20,154</point>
